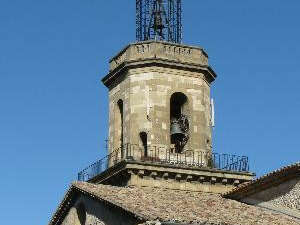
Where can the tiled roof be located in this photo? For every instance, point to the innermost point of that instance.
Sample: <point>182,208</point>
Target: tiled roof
<point>262,183</point>
<point>180,206</point>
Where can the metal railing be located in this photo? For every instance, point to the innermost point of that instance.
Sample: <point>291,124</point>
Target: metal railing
<point>164,155</point>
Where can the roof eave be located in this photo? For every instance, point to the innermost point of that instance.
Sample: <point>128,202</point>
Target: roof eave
<point>70,197</point>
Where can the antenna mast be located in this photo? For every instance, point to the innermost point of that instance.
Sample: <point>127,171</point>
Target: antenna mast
<point>159,20</point>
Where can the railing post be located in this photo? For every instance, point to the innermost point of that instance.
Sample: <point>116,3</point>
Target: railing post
<point>199,156</point>
<point>122,152</point>
<point>193,158</point>
<point>126,153</point>
<point>166,154</point>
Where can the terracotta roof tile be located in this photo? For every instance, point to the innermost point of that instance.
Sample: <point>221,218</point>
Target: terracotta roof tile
<point>183,206</point>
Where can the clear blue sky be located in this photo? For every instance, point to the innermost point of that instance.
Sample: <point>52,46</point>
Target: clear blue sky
<point>53,108</point>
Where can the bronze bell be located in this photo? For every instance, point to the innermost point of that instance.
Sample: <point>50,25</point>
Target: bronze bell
<point>176,129</point>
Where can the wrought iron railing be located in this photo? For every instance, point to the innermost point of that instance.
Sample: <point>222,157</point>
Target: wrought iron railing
<point>163,155</point>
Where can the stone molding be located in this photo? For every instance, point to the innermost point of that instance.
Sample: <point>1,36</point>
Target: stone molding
<point>171,177</point>
<point>161,54</point>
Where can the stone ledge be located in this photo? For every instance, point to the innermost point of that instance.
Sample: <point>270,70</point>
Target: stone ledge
<point>208,72</point>
<point>180,178</point>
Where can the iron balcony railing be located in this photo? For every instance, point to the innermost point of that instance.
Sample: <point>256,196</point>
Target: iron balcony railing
<point>163,155</point>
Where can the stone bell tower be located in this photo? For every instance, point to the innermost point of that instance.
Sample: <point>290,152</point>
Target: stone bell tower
<point>160,112</point>
<point>159,94</point>
<point>159,89</point>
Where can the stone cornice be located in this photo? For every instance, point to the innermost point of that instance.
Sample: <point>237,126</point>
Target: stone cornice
<point>125,171</point>
<point>208,72</point>
<point>164,54</point>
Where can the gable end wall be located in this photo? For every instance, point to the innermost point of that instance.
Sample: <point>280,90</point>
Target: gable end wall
<point>98,213</point>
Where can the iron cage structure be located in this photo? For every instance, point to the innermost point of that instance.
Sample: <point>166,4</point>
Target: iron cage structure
<point>159,20</point>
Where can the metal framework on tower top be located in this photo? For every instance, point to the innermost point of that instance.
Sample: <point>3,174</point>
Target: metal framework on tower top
<point>159,20</point>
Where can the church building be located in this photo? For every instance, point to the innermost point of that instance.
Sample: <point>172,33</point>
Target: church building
<point>160,167</point>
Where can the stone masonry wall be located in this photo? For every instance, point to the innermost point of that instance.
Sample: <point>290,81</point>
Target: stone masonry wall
<point>146,94</point>
<point>150,95</point>
<point>120,91</point>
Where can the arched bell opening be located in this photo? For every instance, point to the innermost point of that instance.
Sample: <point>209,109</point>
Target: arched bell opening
<point>179,123</point>
<point>119,132</point>
<point>143,140</point>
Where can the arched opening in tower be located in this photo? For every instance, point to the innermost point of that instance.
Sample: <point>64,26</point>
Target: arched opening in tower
<point>119,130</point>
<point>179,123</point>
<point>143,139</point>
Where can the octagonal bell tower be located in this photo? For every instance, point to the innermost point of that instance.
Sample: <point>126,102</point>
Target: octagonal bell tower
<point>159,95</point>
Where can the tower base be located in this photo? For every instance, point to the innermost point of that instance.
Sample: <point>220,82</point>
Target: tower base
<point>144,174</point>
